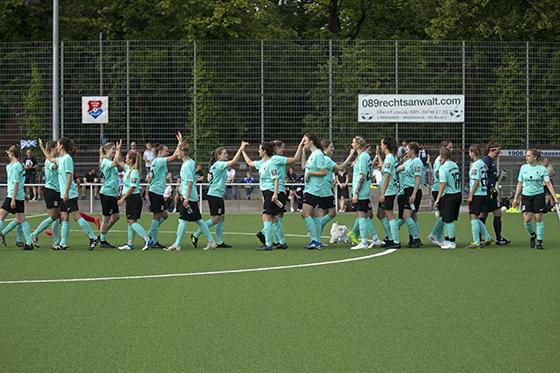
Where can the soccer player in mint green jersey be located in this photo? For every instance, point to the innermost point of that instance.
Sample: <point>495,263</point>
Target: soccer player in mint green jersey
<point>389,193</point>
<point>68,192</point>
<point>436,235</point>
<point>281,162</point>
<point>410,193</point>
<point>477,198</point>
<point>449,196</point>
<point>131,195</point>
<point>109,164</point>
<point>530,184</point>
<point>217,176</point>
<point>15,198</point>
<point>188,210</point>
<point>315,171</point>
<point>52,199</point>
<point>158,181</point>
<point>269,185</point>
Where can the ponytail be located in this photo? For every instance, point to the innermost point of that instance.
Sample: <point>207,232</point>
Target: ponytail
<point>215,154</point>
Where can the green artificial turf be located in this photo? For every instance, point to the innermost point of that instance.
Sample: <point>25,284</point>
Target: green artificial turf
<point>494,309</point>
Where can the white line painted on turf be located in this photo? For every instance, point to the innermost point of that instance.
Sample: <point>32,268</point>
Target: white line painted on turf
<point>141,277</point>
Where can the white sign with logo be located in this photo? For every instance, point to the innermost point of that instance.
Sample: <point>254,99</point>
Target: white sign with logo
<point>521,153</point>
<point>95,109</point>
<point>411,108</point>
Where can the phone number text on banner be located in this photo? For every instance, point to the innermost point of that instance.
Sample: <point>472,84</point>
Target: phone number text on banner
<point>411,108</point>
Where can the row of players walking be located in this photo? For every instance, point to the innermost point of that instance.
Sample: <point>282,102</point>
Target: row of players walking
<point>401,183</point>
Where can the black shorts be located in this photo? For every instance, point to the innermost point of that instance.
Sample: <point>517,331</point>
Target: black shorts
<point>490,204</point>
<point>363,205</point>
<point>52,198</point>
<point>450,206</point>
<point>343,192</point>
<point>109,205</point>
<point>216,205</point>
<point>191,213</point>
<point>326,203</point>
<point>269,207</point>
<point>30,178</point>
<point>20,206</point>
<point>69,206</point>
<point>388,204</point>
<point>535,204</point>
<point>403,200</point>
<point>157,203</point>
<point>133,206</point>
<point>311,200</point>
<point>477,205</point>
<point>434,196</point>
<point>282,197</point>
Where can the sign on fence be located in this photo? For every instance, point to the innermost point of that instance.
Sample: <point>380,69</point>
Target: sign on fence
<point>521,153</point>
<point>411,108</point>
<point>95,109</point>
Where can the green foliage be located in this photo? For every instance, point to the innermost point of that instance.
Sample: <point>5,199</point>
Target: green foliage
<point>35,106</point>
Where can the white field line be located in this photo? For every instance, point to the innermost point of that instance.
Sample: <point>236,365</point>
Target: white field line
<point>189,274</point>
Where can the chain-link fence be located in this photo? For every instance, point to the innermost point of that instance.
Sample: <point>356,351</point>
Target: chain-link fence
<point>220,92</point>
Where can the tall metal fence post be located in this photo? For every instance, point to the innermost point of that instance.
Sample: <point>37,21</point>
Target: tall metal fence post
<point>128,93</point>
<point>330,91</point>
<point>262,90</point>
<point>194,100</point>
<point>55,67</point>
<point>527,92</point>
<point>397,84</point>
<point>101,79</point>
<point>61,89</point>
<point>463,129</point>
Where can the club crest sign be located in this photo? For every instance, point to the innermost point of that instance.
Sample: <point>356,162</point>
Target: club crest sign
<point>95,109</point>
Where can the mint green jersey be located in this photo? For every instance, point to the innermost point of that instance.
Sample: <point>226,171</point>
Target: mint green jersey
<point>16,174</point>
<point>131,180</point>
<point>412,169</point>
<point>327,188</point>
<point>110,185</point>
<point>315,163</point>
<point>65,166</point>
<point>478,172</point>
<point>437,165</point>
<point>280,161</point>
<point>217,179</point>
<point>532,179</point>
<point>188,175</point>
<point>390,171</point>
<point>449,174</point>
<point>362,166</point>
<point>158,175</point>
<point>267,174</point>
<point>51,176</point>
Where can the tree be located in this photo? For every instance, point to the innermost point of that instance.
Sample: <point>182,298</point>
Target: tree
<point>35,106</point>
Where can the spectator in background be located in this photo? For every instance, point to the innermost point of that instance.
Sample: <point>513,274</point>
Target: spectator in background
<point>199,173</point>
<point>341,182</point>
<point>424,156</point>
<point>147,157</point>
<point>230,178</point>
<point>42,179</point>
<point>31,166</point>
<point>402,149</point>
<point>168,193</point>
<point>178,197</point>
<point>296,192</point>
<point>249,187</point>
<point>550,169</point>
<point>89,178</point>
<point>133,147</point>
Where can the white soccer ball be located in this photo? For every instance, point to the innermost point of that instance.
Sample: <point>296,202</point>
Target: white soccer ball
<point>504,209</point>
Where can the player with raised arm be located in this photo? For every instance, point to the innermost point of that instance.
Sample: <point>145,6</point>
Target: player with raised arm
<point>109,164</point>
<point>449,196</point>
<point>410,193</point>
<point>530,184</point>
<point>188,209</point>
<point>492,205</point>
<point>477,198</point>
<point>15,198</point>
<point>217,176</point>
<point>68,192</point>
<point>158,181</point>
<point>437,232</point>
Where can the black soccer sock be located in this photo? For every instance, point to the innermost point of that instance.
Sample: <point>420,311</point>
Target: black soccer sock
<point>498,227</point>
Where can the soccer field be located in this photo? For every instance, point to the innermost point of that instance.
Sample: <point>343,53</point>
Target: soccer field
<point>493,309</point>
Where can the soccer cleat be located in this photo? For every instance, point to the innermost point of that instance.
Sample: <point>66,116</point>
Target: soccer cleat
<point>448,245</point>
<point>353,237</point>
<point>416,244</point>
<point>261,238</point>
<point>224,245</point>
<point>97,223</point>
<point>3,239</point>
<point>147,245</point>
<point>502,242</point>
<point>106,245</point>
<point>48,232</point>
<point>157,245</point>
<point>172,248</point>
<point>474,245</point>
<point>387,243</point>
<point>433,239</point>
<point>125,247</point>
<point>360,246</point>
<point>194,241</point>
<point>264,248</point>
<point>55,247</point>
<point>532,241</point>
<point>27,247</point>
<point>396,245</point>
<point>93,243</point>
<point>410,241</point>
<point>487,242</point>
<point>375,243</point>
<point>35,241</point>
<point>312,245</point>
<point>280,246</point>
<point>62,248</point>
<point>211,245</point>
<point>539,245</point>
<point>19,244</point>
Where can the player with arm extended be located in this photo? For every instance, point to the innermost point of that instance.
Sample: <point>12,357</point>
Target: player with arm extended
<point>436,235</point>
<point>389,192</point>
<point>109,164</point>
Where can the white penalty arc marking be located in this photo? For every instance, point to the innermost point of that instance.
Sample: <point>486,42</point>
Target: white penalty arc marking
<point>189,274</point>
